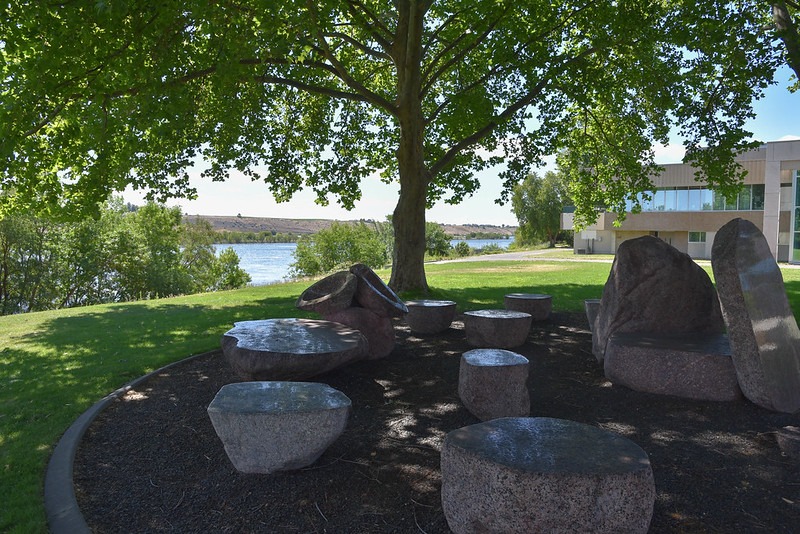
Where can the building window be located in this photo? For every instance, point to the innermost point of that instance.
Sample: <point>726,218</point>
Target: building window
<point>697,237</point>
<point>750,198</point>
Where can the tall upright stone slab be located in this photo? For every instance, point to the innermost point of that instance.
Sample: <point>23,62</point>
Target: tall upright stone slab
<point>654,288</point>
<point>764,337</point>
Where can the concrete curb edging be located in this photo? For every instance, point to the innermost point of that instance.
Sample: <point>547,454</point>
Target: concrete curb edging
<point>60,504</point>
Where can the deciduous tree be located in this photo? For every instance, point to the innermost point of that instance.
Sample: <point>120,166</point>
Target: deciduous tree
<point>537,204</point>
<point>95,96</point>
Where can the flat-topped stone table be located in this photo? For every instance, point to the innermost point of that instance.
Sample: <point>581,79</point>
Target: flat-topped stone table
<point>430,316</point>
<point>522,474</point>
<point>504,329</point>
<point>290,349</point>
<point>691,365</point>
<point>537,305</point>
<point>492,383</point>
<point>277,426</point>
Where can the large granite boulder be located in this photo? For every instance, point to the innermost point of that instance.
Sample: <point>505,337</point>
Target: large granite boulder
<point>764,337</point>
<point>378,330</point>
<point>657,289</point>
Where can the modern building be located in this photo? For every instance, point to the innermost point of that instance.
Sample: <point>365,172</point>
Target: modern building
<point>687,215</point>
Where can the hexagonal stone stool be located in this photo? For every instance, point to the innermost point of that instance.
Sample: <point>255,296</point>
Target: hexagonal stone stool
<point>539,306</point>
<point>277,426</point>
<point>492,383</point>
<point>503,329</point>
<point>290,349</point>
<point>521,475</point>
<point>430,316</point>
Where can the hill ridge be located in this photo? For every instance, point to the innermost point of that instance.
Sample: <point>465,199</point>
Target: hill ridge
<point>234,223</point>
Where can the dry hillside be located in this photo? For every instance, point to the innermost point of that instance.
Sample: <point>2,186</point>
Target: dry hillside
<point>309,226</point>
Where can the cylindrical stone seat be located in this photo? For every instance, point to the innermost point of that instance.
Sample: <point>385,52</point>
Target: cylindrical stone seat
<point>277,426</point>
<point>521,475</point>
<point>492,383</point>
<point>592,308</point>
<point>430,316</point>
<point>537,305</point>
<point>504,329</point>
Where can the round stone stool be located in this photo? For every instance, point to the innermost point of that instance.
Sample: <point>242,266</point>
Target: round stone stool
<point>521,475</point>
<point>539,306</point>
<point>592,307</point>
<point>277,426</point>
<point>496,328</point>
<point>492,383</point>
<point>430,316</point>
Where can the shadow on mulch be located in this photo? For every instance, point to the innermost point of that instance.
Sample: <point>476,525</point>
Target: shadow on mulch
<point>152,461</point>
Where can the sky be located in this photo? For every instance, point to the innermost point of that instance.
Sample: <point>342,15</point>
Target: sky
<point>777,118</point>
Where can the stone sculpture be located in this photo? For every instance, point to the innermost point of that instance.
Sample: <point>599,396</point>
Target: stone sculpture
<point>764,337</point>
<point>657,289</point>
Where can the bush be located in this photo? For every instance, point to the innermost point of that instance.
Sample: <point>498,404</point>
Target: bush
<point>337,248</point>
<point>461,249</point>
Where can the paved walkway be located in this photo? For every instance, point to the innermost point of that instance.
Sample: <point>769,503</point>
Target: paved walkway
<point>525,255</point>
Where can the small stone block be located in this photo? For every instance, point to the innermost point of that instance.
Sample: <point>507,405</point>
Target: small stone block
<point>503,329</point>
<point>522,475</point>
<point>692,366</point>
<point>592,307</point>
<point>538,306</point>
<point>430,316</point>
<point>492,383</point>
<point>789,442</point>
<point>277,426</point>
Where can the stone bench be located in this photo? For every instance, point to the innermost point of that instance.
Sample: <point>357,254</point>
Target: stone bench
<point>290,349</point>
<point>277,426</point>
<point>503,329</point>
<point>492,383</point>
<point>430,316</point>
<point>538,306</point>
<point>521,475</point>
<point>693,366</point>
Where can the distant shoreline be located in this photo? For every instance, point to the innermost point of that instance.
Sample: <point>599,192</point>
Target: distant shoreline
<point>309,226</point>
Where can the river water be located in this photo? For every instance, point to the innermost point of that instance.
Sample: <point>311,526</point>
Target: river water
<point>267,263</point>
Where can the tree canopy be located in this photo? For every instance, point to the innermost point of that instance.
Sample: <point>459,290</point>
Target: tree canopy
<point>98,95</point>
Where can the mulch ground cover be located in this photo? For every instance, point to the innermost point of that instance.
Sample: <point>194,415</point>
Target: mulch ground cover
<point>152,461</point>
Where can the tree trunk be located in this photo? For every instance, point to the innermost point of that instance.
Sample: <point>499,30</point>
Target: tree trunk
<point>408,267</point>
<point>788,33</point>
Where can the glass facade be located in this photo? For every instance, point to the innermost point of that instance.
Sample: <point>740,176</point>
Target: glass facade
<point>697,237</point>
<point>750,198</point>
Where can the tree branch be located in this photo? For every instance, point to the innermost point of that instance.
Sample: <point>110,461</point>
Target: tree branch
<point>460,55</point>
<point>360,46</point>
<point>786,30</point>
<point>374,22</point>
<point>342,73</point>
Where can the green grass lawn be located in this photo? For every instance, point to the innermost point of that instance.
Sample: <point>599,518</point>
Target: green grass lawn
<point>55,365</point>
